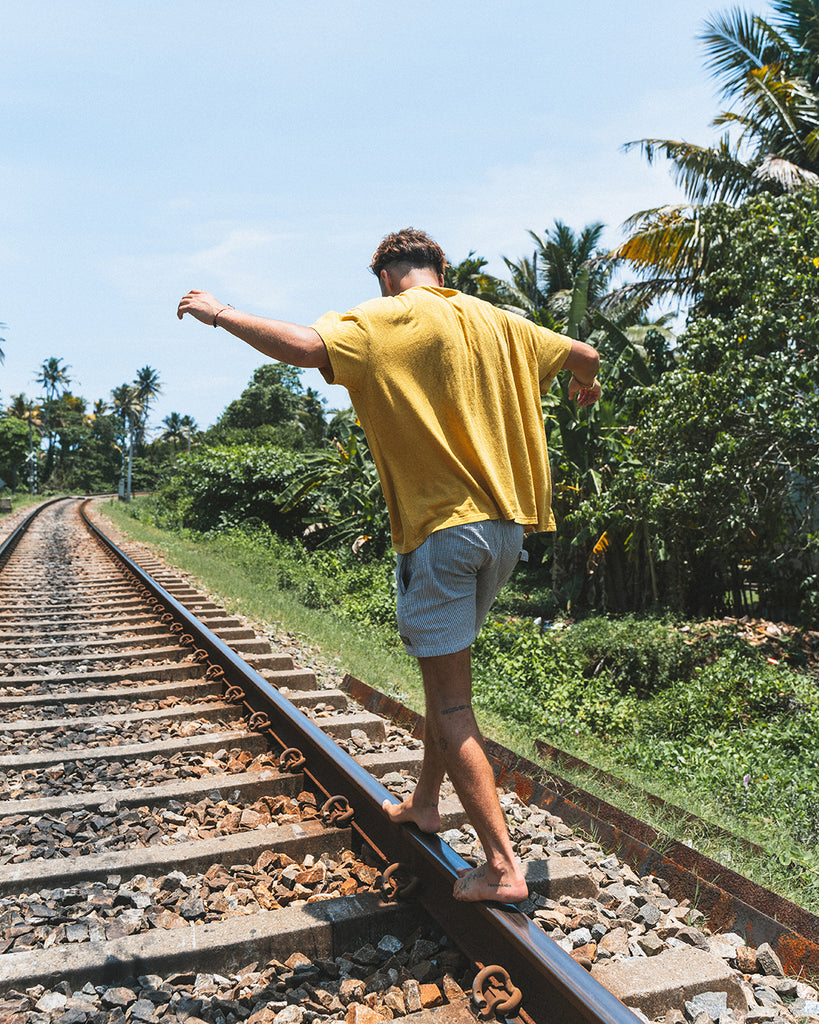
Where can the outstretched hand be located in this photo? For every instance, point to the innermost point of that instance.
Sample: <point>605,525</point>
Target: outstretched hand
<point>586,395</point>
<point>201,305</point>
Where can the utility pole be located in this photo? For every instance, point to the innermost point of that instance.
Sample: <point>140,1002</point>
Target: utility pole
<point>32,459</point>
<point>130,457</point>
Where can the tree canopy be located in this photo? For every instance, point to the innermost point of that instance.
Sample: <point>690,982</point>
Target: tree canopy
<point>274,407</point>
<point>718,490</point>
<point>768,75</point>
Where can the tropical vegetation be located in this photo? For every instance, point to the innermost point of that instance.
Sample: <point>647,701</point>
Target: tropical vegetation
<point>769,76</point>
<point>689,491</point>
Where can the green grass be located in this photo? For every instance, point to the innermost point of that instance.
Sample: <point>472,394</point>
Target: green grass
<point>530,687</point>
<point>22,499</point>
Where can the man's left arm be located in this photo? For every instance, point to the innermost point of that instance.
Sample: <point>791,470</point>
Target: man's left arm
<point>277,339</point>
<point>583,363</point>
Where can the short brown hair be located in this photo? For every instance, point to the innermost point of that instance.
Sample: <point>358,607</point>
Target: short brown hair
<point>415,248</point>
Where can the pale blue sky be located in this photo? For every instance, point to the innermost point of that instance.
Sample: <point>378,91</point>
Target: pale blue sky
<point>260,150</point>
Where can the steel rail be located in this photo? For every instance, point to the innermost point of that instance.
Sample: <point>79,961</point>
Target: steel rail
<point>13,539</point>
<point>566,760</point>
<point>554,986</point>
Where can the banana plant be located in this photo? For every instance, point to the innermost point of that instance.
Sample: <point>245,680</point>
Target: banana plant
<point>343,483</point>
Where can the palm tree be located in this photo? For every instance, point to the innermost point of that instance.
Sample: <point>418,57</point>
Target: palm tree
<point>565,280</point>
<point>470,277</point>
<point>564,254</point>
<point>53,376</point>
<point>174,430</point>
<point>189,427</point>
<point>769,73</point>
<point>308,416</point>
<point>22,408</point>
<point>523,292</point>
<point>129,407</point>
<point>147,386</point>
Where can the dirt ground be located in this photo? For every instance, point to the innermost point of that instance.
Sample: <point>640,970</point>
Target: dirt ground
<point>777,641</point>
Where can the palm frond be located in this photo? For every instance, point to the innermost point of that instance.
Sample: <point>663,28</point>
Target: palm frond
<point>811,144</point>
<point>464,276</point>
<point>787,105</point>
<point>525,284</point>
<point>640,332</point>
<point>667,243</point>
<point>562,254</point>
<point>625,306</point>
<point>799,20</point>
<point>737,43</point>
<point>748,124</point>
<point>589,240</point>
<point>785,174</point>
<point>654,289</point>
<point>704,173</point>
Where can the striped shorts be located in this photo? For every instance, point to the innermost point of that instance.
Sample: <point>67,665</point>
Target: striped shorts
<point>446,586</point>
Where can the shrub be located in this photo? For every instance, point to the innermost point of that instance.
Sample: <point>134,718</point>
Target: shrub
<point>336,581</point>
<point>745,730</point>
<point>644,655</point>
<point>221,488</point>
<point>539,679</point>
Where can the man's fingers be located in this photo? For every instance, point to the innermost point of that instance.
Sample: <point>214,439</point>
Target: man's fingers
<point>195,303</point>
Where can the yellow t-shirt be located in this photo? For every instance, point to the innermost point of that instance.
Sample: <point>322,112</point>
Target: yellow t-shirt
<point>447,388</point>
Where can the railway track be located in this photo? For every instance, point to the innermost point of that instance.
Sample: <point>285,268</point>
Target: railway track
<point>186,835</point>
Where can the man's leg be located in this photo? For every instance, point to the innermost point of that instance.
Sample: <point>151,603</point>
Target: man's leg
<point>421,806</point>
<point>451,726</point>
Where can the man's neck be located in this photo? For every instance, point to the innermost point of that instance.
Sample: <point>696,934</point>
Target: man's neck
<point>415,277</point>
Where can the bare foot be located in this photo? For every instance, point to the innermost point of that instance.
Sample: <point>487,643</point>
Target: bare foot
<point>480,883</point>
<point>425,816</point>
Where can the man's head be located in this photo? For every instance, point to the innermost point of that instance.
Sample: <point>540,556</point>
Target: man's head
<point>407,257</point>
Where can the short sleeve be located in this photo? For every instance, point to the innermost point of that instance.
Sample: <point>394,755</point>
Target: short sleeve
<point>346,338</point>
<point>552,351</point>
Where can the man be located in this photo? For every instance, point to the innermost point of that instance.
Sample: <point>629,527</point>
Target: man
<point>447,388</point>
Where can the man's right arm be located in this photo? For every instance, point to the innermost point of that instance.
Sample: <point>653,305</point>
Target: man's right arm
<point>277,339</point>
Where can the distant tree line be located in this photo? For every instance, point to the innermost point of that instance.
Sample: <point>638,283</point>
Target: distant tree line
<point>55,442</point>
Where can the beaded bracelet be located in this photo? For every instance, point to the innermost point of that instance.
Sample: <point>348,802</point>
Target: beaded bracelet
<point>228,306</point>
